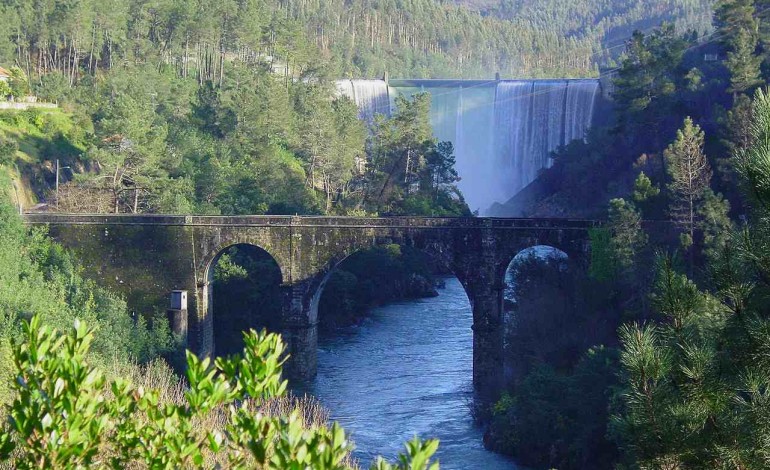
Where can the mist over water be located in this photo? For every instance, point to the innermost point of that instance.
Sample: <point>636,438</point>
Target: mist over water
<point>503,131</point>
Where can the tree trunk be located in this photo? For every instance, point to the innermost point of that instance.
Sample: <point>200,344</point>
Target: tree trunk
<point>91,54</point>
<point>115,192</point>
<point>692,237</point>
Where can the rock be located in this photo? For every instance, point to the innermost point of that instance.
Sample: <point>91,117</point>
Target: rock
<point>420,287</point>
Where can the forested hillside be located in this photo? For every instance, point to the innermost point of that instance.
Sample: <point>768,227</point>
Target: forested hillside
<point>415,39</point>
<point>209,108</point>
<point>188,104</point>
<point>605,22</point>
<point>432,39</point>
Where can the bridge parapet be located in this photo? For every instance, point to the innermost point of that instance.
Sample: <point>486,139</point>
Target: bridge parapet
<point>37,218</point>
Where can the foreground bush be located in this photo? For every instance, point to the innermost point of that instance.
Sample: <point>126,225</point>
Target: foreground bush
<point>66,414</point>
<point>39,277</point>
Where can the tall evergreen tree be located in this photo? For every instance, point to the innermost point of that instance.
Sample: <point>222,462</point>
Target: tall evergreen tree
<point>690,176</point>
<point>648,83</point>
<point>628,238</point>
<point>739,31</point>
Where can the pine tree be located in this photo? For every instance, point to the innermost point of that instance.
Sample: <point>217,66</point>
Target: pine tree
<point>739,29</point>
<point>644,189</point>
<point>753,162</point>
<point>649,83</point>
<point>695,385</point>
<point>690,176</point>
<point>628,238</point>
<point>743,64</point>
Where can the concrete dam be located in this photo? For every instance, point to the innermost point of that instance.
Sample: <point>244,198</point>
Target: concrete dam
<point>503,131</point>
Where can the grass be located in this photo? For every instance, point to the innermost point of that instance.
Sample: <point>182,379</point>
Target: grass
<point>42,136</point>
<point>158,375</point>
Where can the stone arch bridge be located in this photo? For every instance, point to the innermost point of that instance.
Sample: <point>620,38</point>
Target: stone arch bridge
<point>145,257</point>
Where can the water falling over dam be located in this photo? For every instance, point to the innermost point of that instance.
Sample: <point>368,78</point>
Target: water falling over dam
<point>503,131</point>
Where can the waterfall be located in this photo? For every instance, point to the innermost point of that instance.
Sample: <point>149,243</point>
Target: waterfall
<point>371,96</point>
<point>513,135</point>
<point>581,97</point>
<point>503,131</point>
<point>547,128</point>
<point>459,142</point>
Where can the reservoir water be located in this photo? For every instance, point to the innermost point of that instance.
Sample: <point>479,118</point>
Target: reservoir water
<point>406,371</point>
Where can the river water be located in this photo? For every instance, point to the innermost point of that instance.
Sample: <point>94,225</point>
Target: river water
<point>406,371</point>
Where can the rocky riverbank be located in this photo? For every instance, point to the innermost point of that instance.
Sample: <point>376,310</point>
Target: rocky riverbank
<point>375,277</point>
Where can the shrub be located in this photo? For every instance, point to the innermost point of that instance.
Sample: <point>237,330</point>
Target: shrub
<point>53,87</point>
<point>63,414</point>
<point>39,277</point>
<point>19,83</point>
<point>8,149</point>
<point>5,90</point>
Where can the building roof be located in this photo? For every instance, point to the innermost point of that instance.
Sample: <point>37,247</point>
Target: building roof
<point>4,73</point>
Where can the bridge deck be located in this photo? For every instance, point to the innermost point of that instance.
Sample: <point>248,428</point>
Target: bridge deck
<point>308,221</point>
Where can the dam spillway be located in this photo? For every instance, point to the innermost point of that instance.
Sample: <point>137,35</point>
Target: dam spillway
<point>503,131</point>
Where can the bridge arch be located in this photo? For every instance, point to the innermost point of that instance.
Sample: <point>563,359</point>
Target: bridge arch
<point>222,330</point>
<point>435,254</point>
<point>544,253</point>
<point>213,254</point>
<point>539,291</point>
<point>576,249</point>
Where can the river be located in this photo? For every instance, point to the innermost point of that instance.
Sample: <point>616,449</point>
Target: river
<point>405,371</point>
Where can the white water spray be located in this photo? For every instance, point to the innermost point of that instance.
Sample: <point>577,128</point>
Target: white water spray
<point>503,132</point>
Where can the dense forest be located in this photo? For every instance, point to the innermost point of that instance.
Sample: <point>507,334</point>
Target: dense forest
<point>415,39</point>
<point>607,23</point>
<point>661,363</point>
<point>222,109</point>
